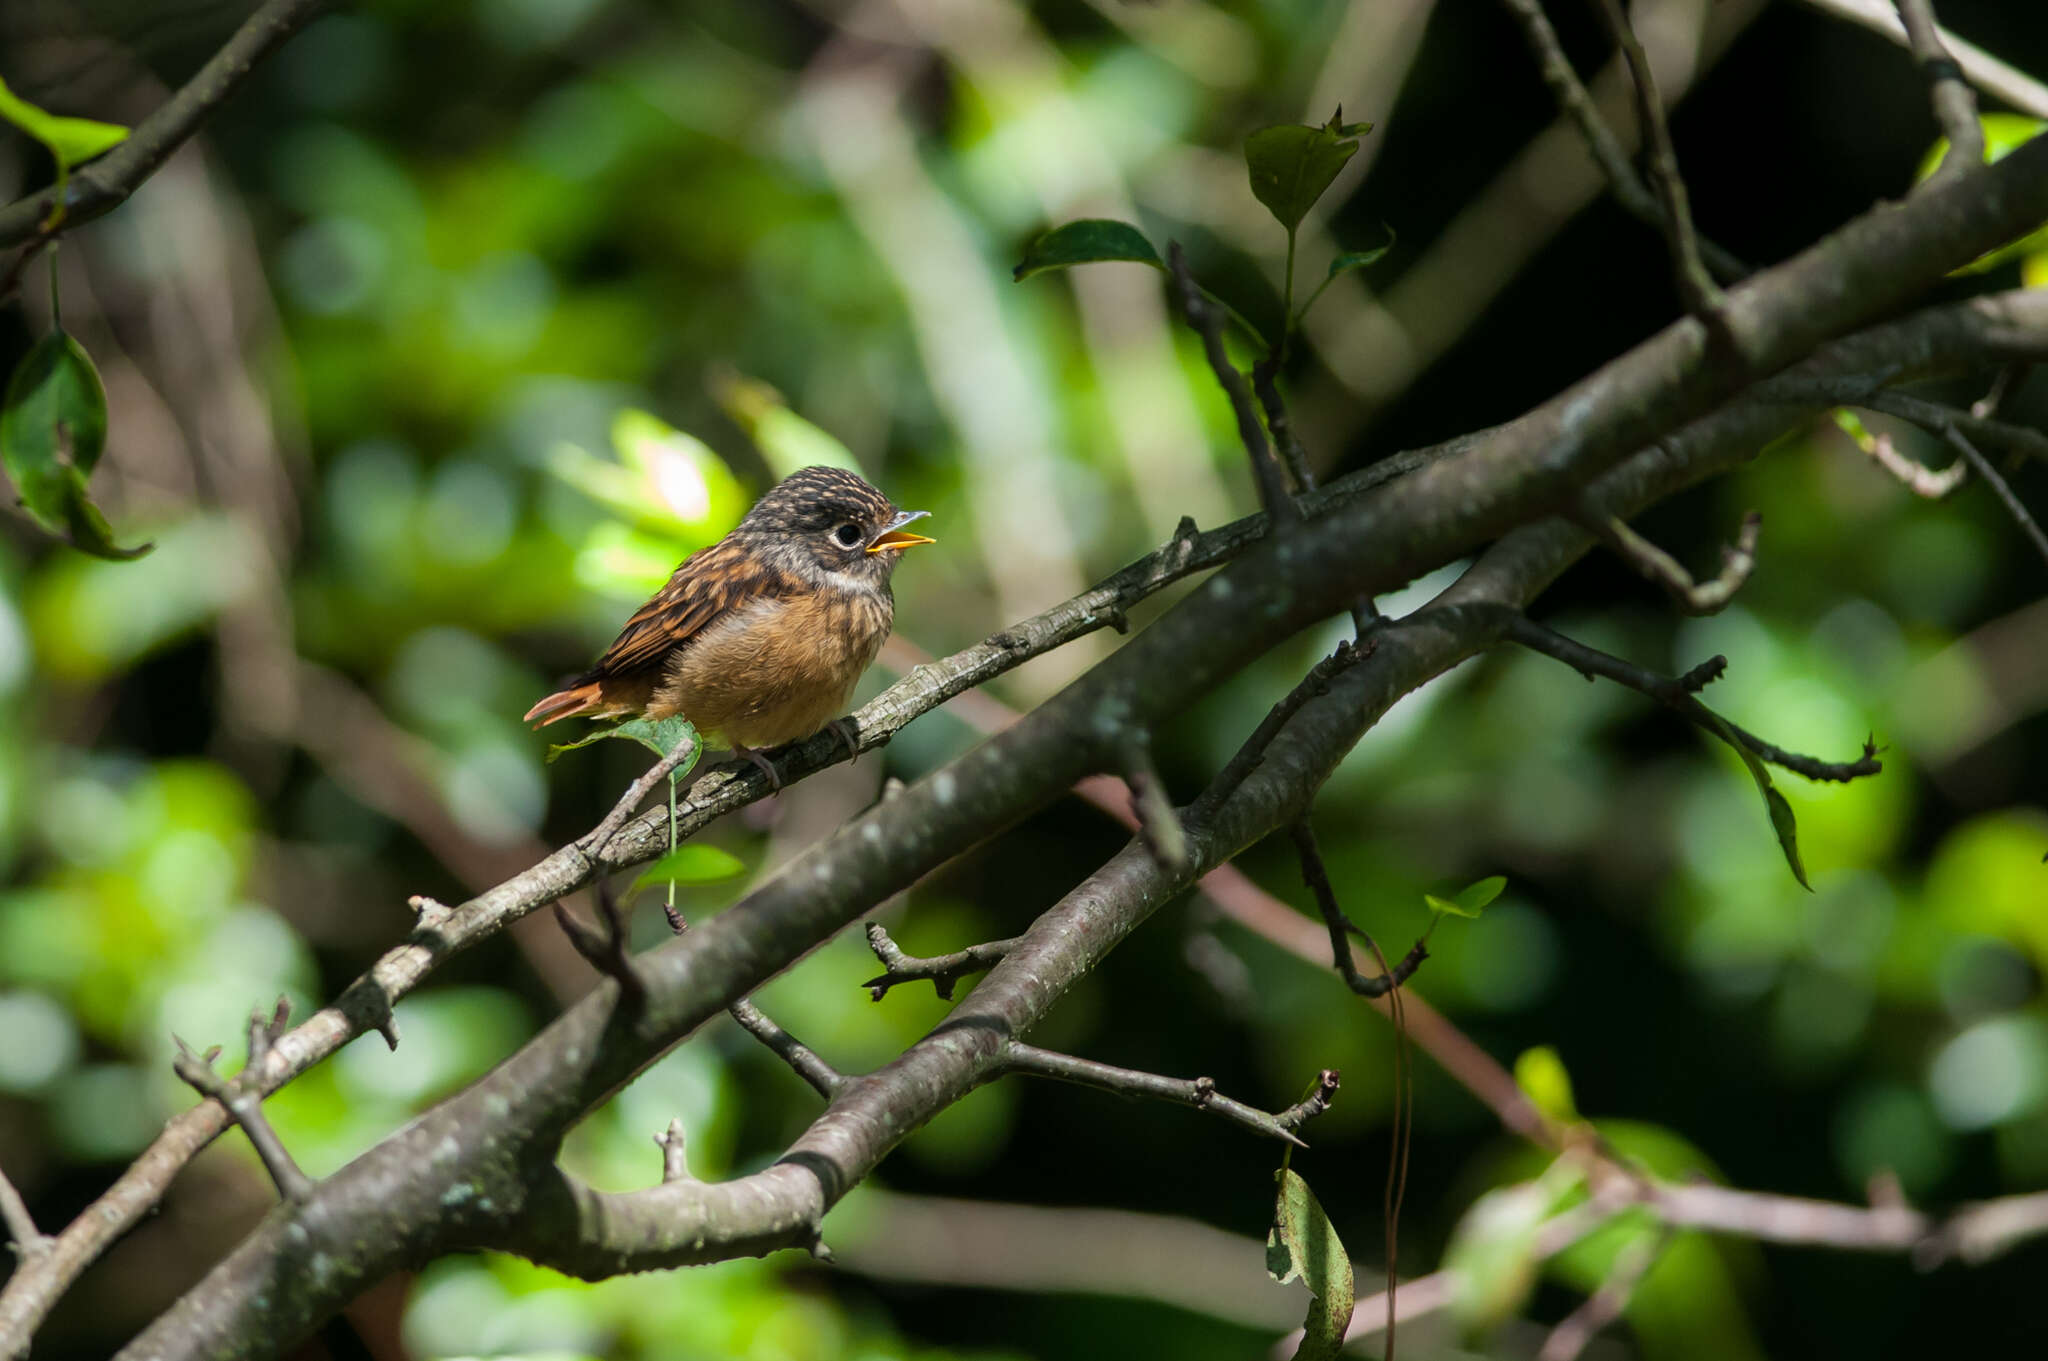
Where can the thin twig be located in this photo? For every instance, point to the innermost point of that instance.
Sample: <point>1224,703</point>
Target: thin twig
<point>1253,750</point>
<point>1576,102</point>
<point>1200,1093</point>
<point>2009,376</point>
<point>1159,821</point>
<point>1999,79</point>
<point>1677,694</point>
<point>1693,597</point>
<point>1955,103</point>
<point>107,182</point>
<point>608,946</point>
<point>1207,322</point>
<point>1982,466</point>
<point>1317,878</point>
<point>636,793</point>
<point>825,1080</point>
<point>943,970</point>
<point>1702,296</point>
<point>27,1239</point>
<point>244,1101</point>
<point>1605,1305</point>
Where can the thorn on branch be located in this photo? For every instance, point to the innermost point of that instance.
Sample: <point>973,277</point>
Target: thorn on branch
<point>1199,1093</point>
<point>943,970</point>
<point>1159,824</point>
<point>1703,597</point>
<point>243,1098</point>
<point>1207,321</point>
<point>1317,877</point>
<point>606,948</point>
<point>675,1164</point>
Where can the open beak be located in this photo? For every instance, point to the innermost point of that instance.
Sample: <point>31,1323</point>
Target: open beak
<point>896,538</point>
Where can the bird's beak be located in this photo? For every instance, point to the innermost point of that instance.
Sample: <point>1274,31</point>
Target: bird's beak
<point>895,538</point>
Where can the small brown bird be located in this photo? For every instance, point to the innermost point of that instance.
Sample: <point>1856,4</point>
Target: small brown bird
<point>759,639</point>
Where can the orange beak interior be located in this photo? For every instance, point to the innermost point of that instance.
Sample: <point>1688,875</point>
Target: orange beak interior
<point>897,540</point>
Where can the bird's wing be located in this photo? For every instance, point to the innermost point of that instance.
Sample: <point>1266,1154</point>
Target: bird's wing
<point>710,584</point>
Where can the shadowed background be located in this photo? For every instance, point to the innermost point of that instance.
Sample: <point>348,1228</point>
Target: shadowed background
<point>463,322</point>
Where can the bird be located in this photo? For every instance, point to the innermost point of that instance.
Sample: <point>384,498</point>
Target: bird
<point>760,638</point>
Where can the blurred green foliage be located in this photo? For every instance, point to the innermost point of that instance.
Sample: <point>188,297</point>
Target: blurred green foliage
<point>536,296</point>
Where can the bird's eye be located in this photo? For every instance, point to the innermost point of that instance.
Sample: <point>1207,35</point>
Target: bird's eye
<point>847,535</point>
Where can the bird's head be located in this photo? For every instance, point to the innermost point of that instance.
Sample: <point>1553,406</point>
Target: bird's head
<point>824,522</point>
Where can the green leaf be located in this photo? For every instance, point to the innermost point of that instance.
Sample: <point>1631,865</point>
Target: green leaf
<point>53,428</point>
<point>1541,1075</point>
<point>1788,834</point>
<point>1358,259</point>
<point>1492,1253</point>
<point>659,735</point>
<point>2004,133</point>
<point>786,440</point>
<point>72,141</point>
<point>1292,164</point>
<point>1782,821</point>
<point>1087,242</point>
<point>664,481</point>
<point>691,864</point>
<point>1302,1243</point>
<point>1474,897</point>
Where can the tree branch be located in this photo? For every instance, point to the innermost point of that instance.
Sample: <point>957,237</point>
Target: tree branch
<point>28,1240</point>
<point>1199,1093</point>
<point>1207,322</point>
<point>1994,77</point>
<point>245,1102</point>
<point>1317,877</point>
<point>1576,103</point>
<point>825,1080</point>
<point>1955,104</point>
<point>1702,296</point>
<point>1704,597</point>
<point>106,183</point>
<point>943,970</point>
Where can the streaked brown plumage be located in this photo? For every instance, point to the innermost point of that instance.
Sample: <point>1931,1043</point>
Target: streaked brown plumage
<point>759,639</point>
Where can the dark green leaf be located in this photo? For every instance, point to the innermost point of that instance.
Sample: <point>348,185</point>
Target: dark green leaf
<point>1303,1243</point>
<point>1086,242</point>
<point>1292,164</point>
<point>70,140</point>
<point>1541,1075</point>
<point>1788,834</point>
<point>53,428</point>
<point>691,864</point>
<point>660,736</point>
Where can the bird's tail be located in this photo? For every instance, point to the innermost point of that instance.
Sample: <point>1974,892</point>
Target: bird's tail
<point>577,699</point>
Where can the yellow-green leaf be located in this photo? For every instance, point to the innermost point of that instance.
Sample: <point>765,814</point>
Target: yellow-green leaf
<point>1541,1075</point>
<point>659,735</point>
<point>692,864</point>
<point>72,141</point>
<point>1292,164</point>
<point>1302,1243</point>
<point>786,440</point>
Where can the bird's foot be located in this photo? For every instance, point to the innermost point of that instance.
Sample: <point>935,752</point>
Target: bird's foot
<point>760,763</point>
<point>848,735</point>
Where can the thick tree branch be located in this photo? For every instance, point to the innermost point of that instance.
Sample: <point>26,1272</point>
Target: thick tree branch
<point>1201,1093</point>
<point>1439,512</point>
<point>106,183</point>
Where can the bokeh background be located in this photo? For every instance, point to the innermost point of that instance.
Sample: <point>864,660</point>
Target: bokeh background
<point>465,320</point>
